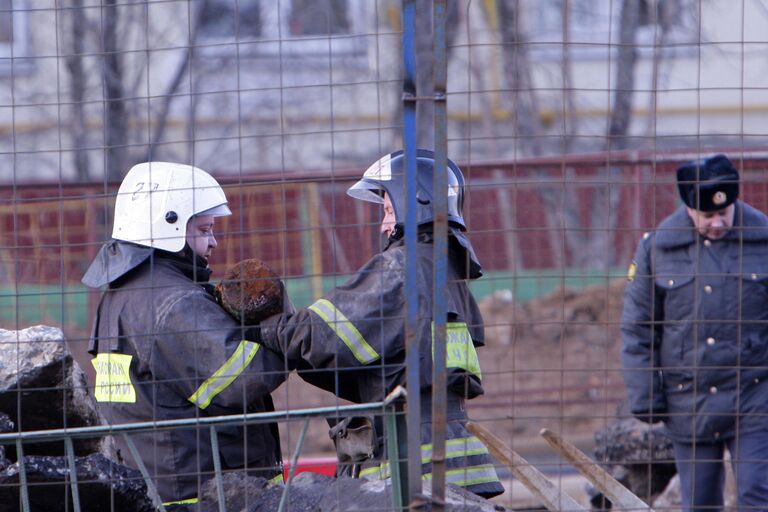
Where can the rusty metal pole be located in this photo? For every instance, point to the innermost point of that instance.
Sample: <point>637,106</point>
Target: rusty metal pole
<point>413,380</point>
<point>440,258</point>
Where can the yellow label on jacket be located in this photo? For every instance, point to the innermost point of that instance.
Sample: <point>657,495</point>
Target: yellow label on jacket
<point>631,271</point>
<point>113,378</point>
<point>460,350</point>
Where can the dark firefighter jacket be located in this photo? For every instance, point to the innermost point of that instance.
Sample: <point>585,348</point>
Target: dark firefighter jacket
<point>165,349</point>
<point>695,328</point>
<point>352,342</point>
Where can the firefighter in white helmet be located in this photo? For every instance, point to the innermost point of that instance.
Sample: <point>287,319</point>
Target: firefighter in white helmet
<point>164,348</point>
<point>352,340</point>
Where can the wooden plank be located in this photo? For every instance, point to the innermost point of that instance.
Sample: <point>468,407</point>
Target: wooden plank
<point>621,497</point>
<point>550,494</point>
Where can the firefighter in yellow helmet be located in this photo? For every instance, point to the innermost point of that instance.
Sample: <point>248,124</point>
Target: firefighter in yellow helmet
<point>164,348</point>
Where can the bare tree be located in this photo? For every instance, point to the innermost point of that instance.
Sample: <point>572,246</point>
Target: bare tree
<point>517,68</point>
<point>587,244</point>
<point>526,117</point>
<point>106,31</point>
<point>605,202</point>
<point>74,63</point>
<point>115,121</point>
<point>621,112</point>
<point>175,82</point>
<point>425,108</point>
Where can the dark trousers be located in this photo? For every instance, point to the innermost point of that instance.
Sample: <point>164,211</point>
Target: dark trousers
<point>702,472</point>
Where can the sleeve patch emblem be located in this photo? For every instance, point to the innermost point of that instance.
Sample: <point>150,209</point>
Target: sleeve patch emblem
<point>631,271</point>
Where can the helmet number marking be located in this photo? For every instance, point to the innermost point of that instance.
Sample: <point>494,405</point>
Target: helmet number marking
<point>142,189</point>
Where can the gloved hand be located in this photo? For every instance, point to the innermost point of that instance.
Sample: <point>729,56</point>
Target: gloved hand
<point>250,292</point>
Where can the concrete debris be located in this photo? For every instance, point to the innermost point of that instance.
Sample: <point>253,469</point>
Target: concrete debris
<point>102,485</point>
<point>42,387</point>
<point>6,425</point>
<point>315,492</point>
<point>638,455</point>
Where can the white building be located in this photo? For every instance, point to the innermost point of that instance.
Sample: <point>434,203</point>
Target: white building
<point>302,85</point>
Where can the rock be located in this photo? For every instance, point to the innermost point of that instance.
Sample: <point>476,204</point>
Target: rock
<point>315,492</point>
<point>670,497</point>
<point>42,387</point>
<point>250,291</point>
<point>6,425</point>
<point>102,485</point>
<point>638,455</point>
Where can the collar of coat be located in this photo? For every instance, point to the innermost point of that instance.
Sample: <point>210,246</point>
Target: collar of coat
<point>749,225</point>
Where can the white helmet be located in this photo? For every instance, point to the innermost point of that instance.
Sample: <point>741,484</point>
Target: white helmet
<point>156,199</point>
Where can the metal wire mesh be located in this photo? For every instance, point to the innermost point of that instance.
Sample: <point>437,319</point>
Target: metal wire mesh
<point>568,118</point>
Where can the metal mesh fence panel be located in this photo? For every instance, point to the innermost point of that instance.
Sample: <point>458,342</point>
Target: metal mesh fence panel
<point>569,120</point>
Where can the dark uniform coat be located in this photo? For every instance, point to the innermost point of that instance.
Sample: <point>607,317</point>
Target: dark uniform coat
<point>357,330</point>
<point>695,328</point>
<point>165,349</point>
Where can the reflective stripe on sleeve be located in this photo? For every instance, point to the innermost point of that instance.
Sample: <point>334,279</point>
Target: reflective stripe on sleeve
<point>460,350</point>
<point>345,330</point>
<point>190,501</point>
<point>473,475</point>
<point>461,447</point>
<point>224,376</point>
<point>454,448</point>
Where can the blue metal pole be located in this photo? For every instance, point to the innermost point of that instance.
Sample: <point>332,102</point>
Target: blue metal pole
<point>440,258</point>
<point>413,380</point>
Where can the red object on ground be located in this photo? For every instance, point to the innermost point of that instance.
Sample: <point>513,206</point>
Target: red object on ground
<point>322,465</point>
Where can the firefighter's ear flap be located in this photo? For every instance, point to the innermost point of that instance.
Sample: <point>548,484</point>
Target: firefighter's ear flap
<point>251,292</point>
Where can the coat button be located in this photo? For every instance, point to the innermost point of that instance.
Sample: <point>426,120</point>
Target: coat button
<point>671,282</point>
<point>757,380</point>
<point>707,289</point>
<point>754,277</point>
<point>710,341</point>
<point>707,242</point>
<point>712,390</point>
<point>680,386</point>
<point>717,435</point>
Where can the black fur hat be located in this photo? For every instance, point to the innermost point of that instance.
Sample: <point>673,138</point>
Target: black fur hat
<point>709,184</point>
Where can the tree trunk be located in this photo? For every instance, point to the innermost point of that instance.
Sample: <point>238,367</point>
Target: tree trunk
<point>425,83</point>
<point>605,203</point>
<point>621,114</point>
<point>517,68</point>
<point>162,117</point>
<point>115,122</point>
<point>74,64</point>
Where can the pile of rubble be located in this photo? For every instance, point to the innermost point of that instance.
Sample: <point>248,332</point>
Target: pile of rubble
<point>41,388</point>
